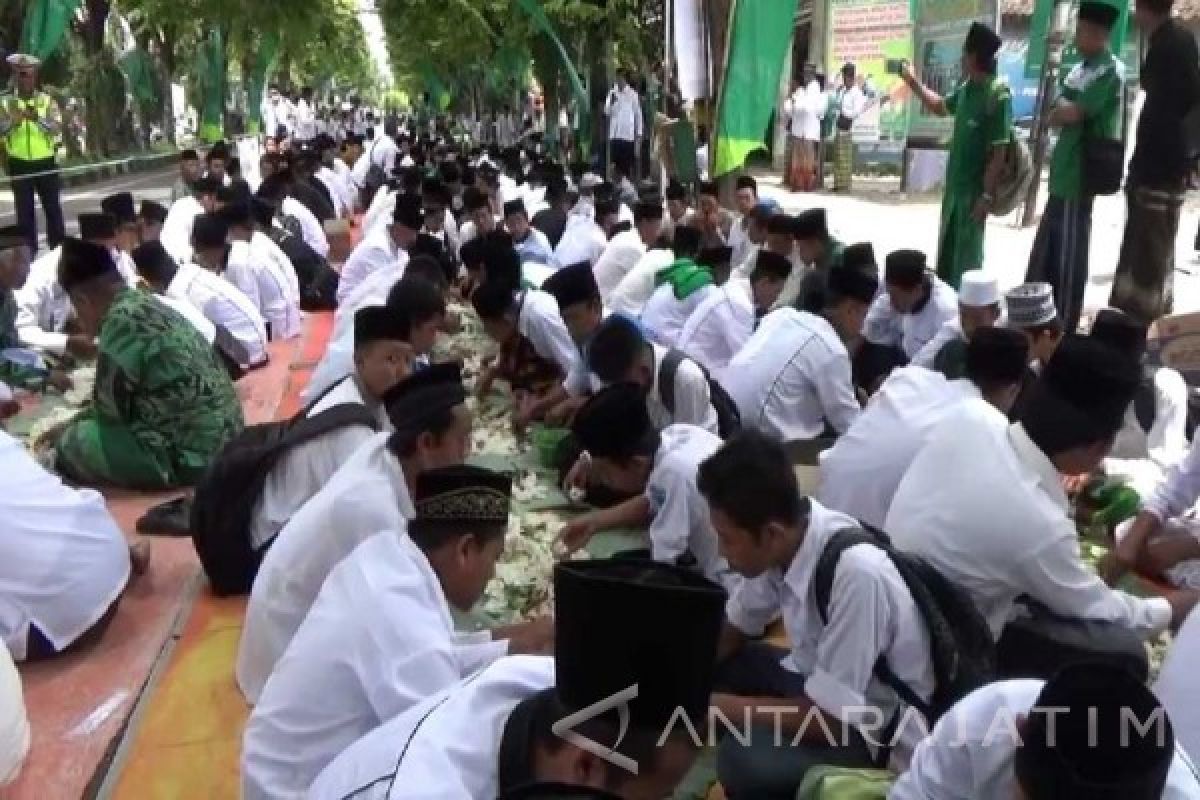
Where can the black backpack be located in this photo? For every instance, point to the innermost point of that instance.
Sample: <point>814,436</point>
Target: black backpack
<point>729,419</point>
<point>961,645</point>
<point>227,494</point>
<point>318,281</point>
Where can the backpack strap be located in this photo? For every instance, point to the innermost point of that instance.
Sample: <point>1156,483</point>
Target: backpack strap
<point>1145,404</point>
<point>666,377</point>
<point>345,415</point>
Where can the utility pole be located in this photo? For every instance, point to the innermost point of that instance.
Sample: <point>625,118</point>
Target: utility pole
<point>1040,135</point>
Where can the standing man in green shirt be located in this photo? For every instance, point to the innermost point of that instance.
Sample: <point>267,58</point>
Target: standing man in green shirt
<point>1088,107</point>
<point>982,109</point>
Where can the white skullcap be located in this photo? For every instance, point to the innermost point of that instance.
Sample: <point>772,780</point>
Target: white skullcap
<point>977,289</point>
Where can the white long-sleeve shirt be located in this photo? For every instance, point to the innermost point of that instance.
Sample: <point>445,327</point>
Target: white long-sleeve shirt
<point>664,314</point>
<point>985,507</point>
<point>343,204</point>
<point>367,495</point>
<point>805,109</point>
<point>911,331</point>
<point>378,250</point>
<point>310,227</point>
<point>176,234</point>
<point>266,288</point>
<point>1142,457</point>
<point>792,377</point>
<point>225,306</point>
<point>378,640</point>
<point>624,112</point>
<point>1180,489</point>
<point>541,323</point>
<point>630,295</point>
<point>719,327</point>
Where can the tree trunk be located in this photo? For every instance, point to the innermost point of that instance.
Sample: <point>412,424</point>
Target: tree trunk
<point>166,42</point>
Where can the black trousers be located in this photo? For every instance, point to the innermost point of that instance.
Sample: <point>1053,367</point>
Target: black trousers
<point>43,178</point>
<point>623,154</point>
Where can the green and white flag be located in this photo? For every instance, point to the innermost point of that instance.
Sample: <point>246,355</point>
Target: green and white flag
<point>758,43</point>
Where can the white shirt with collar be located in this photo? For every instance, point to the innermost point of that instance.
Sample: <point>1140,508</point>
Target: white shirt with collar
<point>267,289</point>
<point>185,309</point>
<point>871,614</point>
<point>1179,490</point>
<point>338,360</point>
<point>311,229</point>
<point>582,240</point>
<point>345,177</point>
<point>792,377</point>
<point>664,315</point>
<point>693,406</point>
<point>379,640</point>
<point>445,747</point>
<point>176,234</point>
<point>631,294</point>
<point>970,753</point>
<point>366,495</point>
<point>1178,689</point>
<point>305,469</point>
<point>379,213</point>
<point>624,112</point>
<point>719,327</point>
<point>886,326</point>
<point>860,473</point>
<point>805,109</point>
<point>540,322</point>
<point>43,308</point>
<point>621,254</point>
<point>342,202</point>
<point>264,248</point>
<point>225,306</point>
<point>854,102</point>
<point>985,506</point>
<point>739,239</point>
<point>1140,456</point>
<point>680,525</point>
<point>63,560</point>
<point>306,120</point>
<point>376,251</point>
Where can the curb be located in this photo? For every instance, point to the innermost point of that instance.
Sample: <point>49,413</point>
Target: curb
<point>84,175</point>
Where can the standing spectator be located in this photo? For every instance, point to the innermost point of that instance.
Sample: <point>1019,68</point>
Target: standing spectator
<point>306,116</point>
<point>30,122</point>
<point>625,128</point>
<point>850,103</point>
<point>1088,108</point>
<point>982,109</point>
<point>804,111</point>
<point>1159,168</point>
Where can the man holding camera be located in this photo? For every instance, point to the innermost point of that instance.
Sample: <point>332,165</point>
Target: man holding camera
<point>30,122</point>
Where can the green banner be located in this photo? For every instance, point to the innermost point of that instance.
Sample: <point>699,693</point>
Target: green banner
<point>139,73</point>
<point>45,23</point>
<point>263,58</point>
<point>534,9</point>
<point>210,76</point>
<point>1122,41</point>
<point>759,39</point>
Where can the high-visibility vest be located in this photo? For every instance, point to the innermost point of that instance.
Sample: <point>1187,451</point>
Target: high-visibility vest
<point>26,140</point>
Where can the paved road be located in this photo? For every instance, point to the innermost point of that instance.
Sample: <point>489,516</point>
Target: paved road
<point>155,185</point>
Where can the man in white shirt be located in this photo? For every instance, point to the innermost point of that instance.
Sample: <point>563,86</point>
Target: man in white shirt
<point>380,637</point>
<point>913,309</point>
<point>658,468</point>
<point>860,473</point>
<point>339,191</point>
<point>176,233</point>
<point>851,103</point>
<point>625,124</point>
<point>983,502</point>
<point>792,378</point>
<point>1178,687</point>
<point>65,561</point>
<point>642,624</point>
<point>260,278</point>
<point>625,250</point>
<point>224,304</point>
<point>584,238</point>
<point>621,353</point>
<point>531,244</point>
<point>804,109</point>
<point>1093,731</point>
<point>383,247</point>
<point>383,357</point>
<point>1153,437</point>
<point>775,538</point>
<point>681,288</point>
<point>480,219</point>
<point>306,116</point>
<point>274,190</point>
<point>722,322</point>
<point>979,306</point>
<point>371,492</point>
<point>745,198</point>
<point>43,308</point>
<point>156,268</point>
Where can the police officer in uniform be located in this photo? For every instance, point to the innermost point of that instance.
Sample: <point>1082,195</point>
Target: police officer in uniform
<point>30,122</point>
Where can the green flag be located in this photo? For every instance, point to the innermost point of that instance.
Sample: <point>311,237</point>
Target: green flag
<point>535,12</point>
<point>45,23</point>
<point>759,39</point>
<point>210,74</point>
<point>264,56</point>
